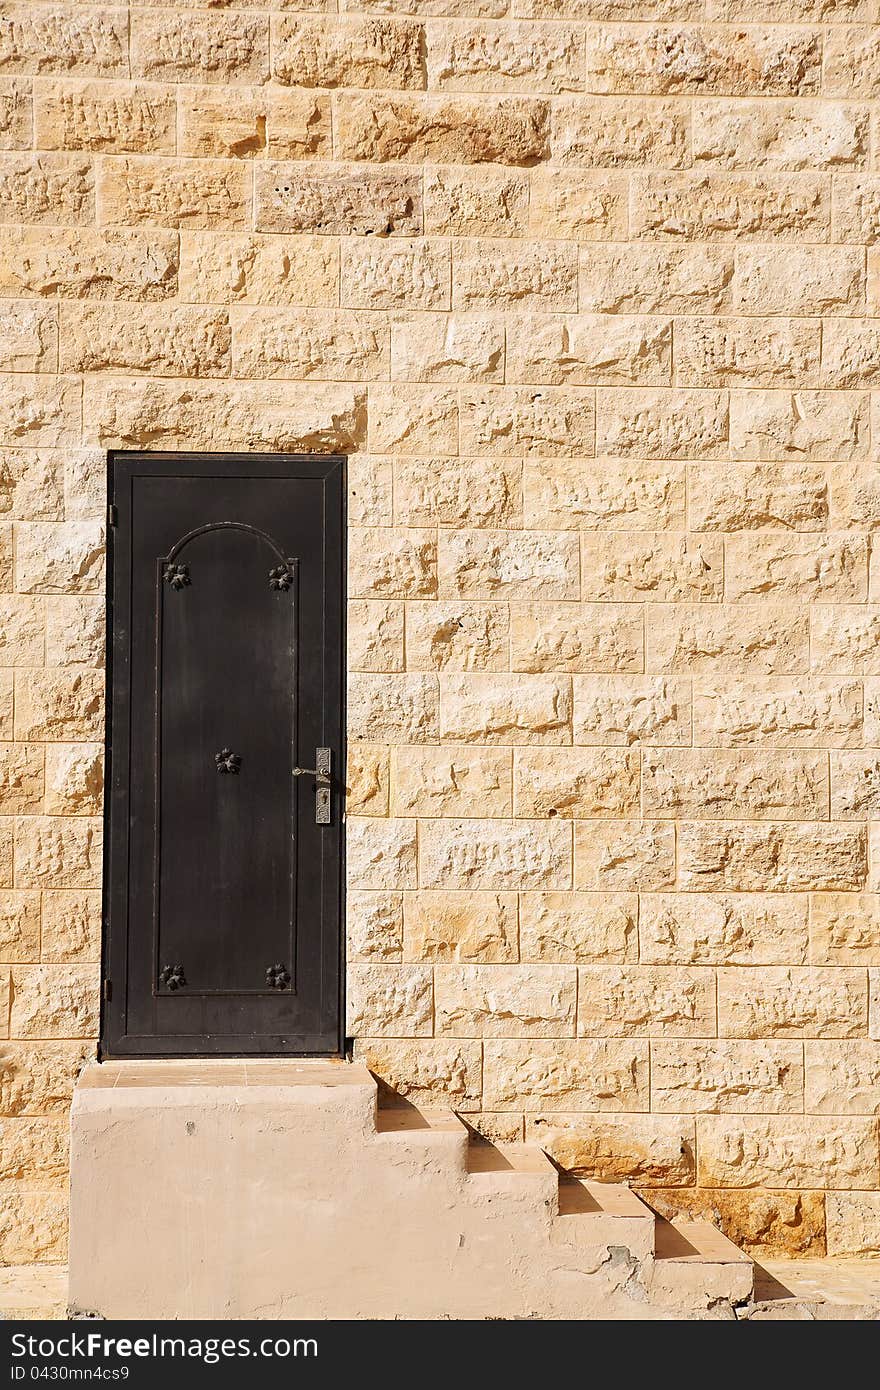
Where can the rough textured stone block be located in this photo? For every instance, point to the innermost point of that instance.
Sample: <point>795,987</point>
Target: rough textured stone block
<point>21,778</point>
<point>582,204</point>
<point>857,209</point>
<point>168,340</point>
<point>395,274</point>
<point>752,858</point>
<point>374,926</point>
<point>114,118</point>
<point>413,419</point>
<point>775,425</point>
<point>451,782</point>
<point>37,1078</point>
<point>390,1001</point>
<point>393,562</point>
<point>16,113</point>
<point>737,1077</point>
<point>381,854</point>
<point>195,47</point>
<point>71,926</point>
<point>756,497</point>
<point>33,1226</point>
<point>58,705</point>
<point>74,632</point>
<point>337,200</point>
<point>19,930</point>
<point>578,783</point>
<point>463,201</point>
<point>54,1001</point>
<point>542,423</point>
<point>375,635</point>
<point>64,38</point>
<point>59,557</point>
<point>842,1078</point>
<point>611,495</point>
<point>583,1075</point>
<point>30,338</point>
<point>426,1072</point>
<point>442,130</point>
<point>853,1220</point>
<point>778,711</point>
<point>742,207</point>
<point>392,708</point>
<point>483,708</point>
<point>852,62</point>
<point>790,1151</point>
<point>624,855</point>
<point>39,410</point>
<point>505,57</point>
<point>58,852</point>
<point>22,631</point>
<point>508,564</point>
<point>646,1001</point>
<point>456,636</point>
<point>466,927</point>
<point>666,567</point>
<point>455,347</point>
<point>367,780</point>
<point>792,1002</point>
<point>760,61</point>
<point>88,264</point>
<point>585,350</point>
<point>661,424</point>
<point>855,785</point>
<point>283,125</point>
<point>582,637</point>
<point>798,280</point>
<point>722,929</point>
<point>764,1224</point>
<point>781,135</point>
<point>765,639</point>
<point>845,929</point>
<point>224,269</point>
<point>330,345</point>
<point>502,1001</point>
<point>678,782</point>
<point>44,189</point>
<point>614,132</point>
<point>751,352</point>
<point>161,193</point>
<point>655,279</point>
<point>347,52</point>
<point>497,854</point>
<point>489,274</point>
<point>456,492</point>
<point>855,497</point>
<point>627,710</point>
<point>649,1150</point>
<point>846,639</point>
<point>578,928</point>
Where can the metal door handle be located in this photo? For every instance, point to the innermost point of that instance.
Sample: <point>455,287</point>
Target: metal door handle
<point>323,783</point>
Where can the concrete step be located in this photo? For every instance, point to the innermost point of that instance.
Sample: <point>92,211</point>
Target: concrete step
<point>435,1139</point>
<point>521,1171</point>
<point>694,1262</point>
<point>596,1213</point>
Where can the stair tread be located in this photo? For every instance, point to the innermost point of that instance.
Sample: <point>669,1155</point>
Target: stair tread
<point>695,1241</point>
<point>597,1198</point>
<point>523,1159</point>
<point>408,1121</point>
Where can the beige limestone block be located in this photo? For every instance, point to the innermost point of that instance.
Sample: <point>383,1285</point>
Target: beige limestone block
<point>855,497</point>
<point>426,1072</point>
<point>85,484</point>
<point>7,558</point>
<point>624,855</point>
<point>853,1221</point>
<point>508,564</point>
<point>347,52</point>
<point>448,347</point>
<point>33,1226</point>
<point>54,1001</point>
<point>727,1077</point>
<point>781,135</point>
<point>33,1151</point>
<point>87,263</point>
<point>730,784</point>
<point>856,208</point>
<point>58,706</point>
<point>369,490</point>
<point>441,129</point>
<point>381,854</point>
<point>846,639</point>
<point>335,200</point>
<point>748,352</point>
<point>664,567</point>
<point>7,842</point>
<point>392,1001</point>
<point>764,1224</point>
<point>874,1004</point>
<point>395,274</point>
<point>722,929</point>
<point>196,47</point>
<point>39,410</point>
<point>645,1001</point>
<point>742,207</point>
<point>654,424</point>
<point>29,341</point>
<point>464,201</point>
<point>19,929</point>
<point>21,778</point>
<point>74,632</point>
<point>38,1078</point>
<point>31,484</point>
<point>581,204</point>
<point>457,636</point>
<point>390,708</point>
<point>109,117</point>
<point>755,858</point>
<point>5,997</point>
<point>71,926</point>
<point>57,557</point>
<point>496,274</point>
<point>503,1128</point>
<point>374,926</point>
<point>451,782</point>
<point>272,270</point>
<point>701,639</point>
<point>546,422</point>
<point>7,684</point>
<point>852,61</point>
<point>871,688</point>
<point>366,780</point>
<point>457,492</point>
<point>619,133</point>
<point>647,1150</point>
<point>603,494</point>
<point>504,1001</point>
<point>328,344</point>
<point>375,635</point>
<point>789,1151</point>
<point>626,710</point>
<point>850,353</point>
<point>472,9</point>
<point>582,637</point>
<point>855,785</point>
<point>586,349</point>
<point>505,57</point>
<point>466,927</point>
<point>57,852</point>
<point>22,631</point>
<point>842,1078</point>
<point>413,419</point>
<point>655,279</point>
<point>282,125</point>
<point>64,38</point>
<point>844,929</point>
<point>759,496</point>
<point>16,114</point>
<point>704,58</point>
<point>284,417</point>
<point>778,711</point>
<point>799,280</point>
<point>781,425</point>
<point>485,708</point>
<point>185,193</point>
<point>793,1002</point>
<point>494,854</point>
<point>392,562</point>
<point>578,928</point>
<point>170,340</point>
<point>577,783</point>
<point>570,1075</point>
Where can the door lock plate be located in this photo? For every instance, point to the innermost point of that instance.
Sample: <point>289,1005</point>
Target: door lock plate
<point>323,783</point>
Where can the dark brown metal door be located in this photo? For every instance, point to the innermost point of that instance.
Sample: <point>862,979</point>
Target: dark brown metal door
<point>225,739</point>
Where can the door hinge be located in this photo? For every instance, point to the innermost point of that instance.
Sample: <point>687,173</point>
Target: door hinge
<point>112,515</point>
<point>108,990</point>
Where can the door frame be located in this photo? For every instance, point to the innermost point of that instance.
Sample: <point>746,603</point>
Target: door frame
<point>116,713</point>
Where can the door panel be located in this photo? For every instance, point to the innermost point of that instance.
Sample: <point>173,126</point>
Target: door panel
<point>222,893</point>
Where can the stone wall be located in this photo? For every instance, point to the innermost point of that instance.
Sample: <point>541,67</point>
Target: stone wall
<point>588,290</point>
